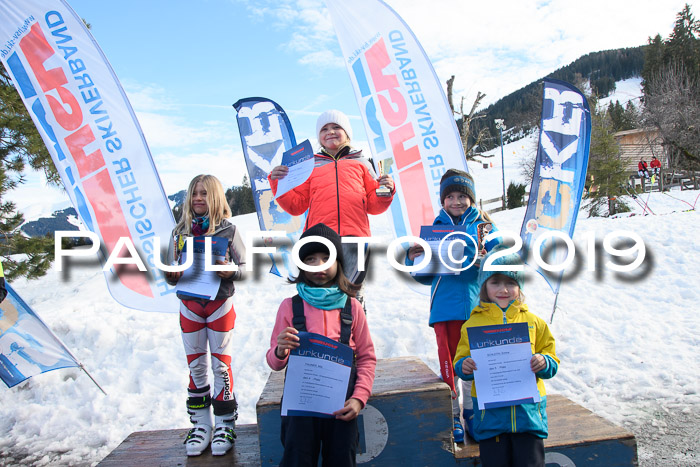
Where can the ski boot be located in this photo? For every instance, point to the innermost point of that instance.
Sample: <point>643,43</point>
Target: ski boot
<point>224,433</point>
<point>199,436</point>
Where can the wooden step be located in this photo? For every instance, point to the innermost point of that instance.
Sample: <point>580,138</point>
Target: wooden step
<point>576,434</point>
<point>407,419</point>
<point>166,448</point>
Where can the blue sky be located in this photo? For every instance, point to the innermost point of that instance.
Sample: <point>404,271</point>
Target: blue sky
<point>183,64</point>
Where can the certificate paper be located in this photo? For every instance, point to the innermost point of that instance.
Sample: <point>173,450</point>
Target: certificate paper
<point>317,378</point>
<point>434,234</point>
<point>300,160</point>
<point>502,355</point>
<point>195,280</point>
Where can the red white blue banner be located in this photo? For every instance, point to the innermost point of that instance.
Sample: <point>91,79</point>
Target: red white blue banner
<point>27,345</point>
<point>409,123</point>
<point>88,126</point>
<point>560,175</point>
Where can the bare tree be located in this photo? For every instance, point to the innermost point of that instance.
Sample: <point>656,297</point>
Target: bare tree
<point>465,120</point>
<point>672,105</point>
<point>527,163</point>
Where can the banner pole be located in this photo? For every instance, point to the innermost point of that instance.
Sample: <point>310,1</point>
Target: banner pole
<point>82,367</point>
<point>79,363</point>
<point>554,308</point>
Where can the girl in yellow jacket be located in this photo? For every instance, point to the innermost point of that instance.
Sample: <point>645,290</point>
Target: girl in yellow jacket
<point>508,435</point>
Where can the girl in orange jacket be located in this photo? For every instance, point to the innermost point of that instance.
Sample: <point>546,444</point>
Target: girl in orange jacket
<point>341,190</point>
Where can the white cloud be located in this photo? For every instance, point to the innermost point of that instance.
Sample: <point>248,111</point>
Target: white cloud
<point>147,97</point>
<point>499,48</point>
<point>321,59</point>
<point>495,48</point>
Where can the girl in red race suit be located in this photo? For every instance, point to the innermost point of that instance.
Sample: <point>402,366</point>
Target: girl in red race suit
<point>211,322</point>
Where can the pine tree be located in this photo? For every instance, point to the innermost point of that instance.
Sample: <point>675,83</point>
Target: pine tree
<point>653,60</point>
<point>672,90</point>
<point>681,49</point>
<point>606,177</point>
<point>240,198</point>
<point>683,45</point>
<point>20,146</point>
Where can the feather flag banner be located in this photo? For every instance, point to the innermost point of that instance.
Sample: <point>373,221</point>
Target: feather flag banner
<point>266,134</point>
<point>560,174</point>
<point>409,123</point>
<point>27,345</point>
<point>95,141</point>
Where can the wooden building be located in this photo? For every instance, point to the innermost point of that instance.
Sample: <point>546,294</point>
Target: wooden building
<point>640,144</point>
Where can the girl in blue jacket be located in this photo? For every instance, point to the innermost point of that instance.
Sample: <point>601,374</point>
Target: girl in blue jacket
<point>511,435</point>
<point>453,296</point>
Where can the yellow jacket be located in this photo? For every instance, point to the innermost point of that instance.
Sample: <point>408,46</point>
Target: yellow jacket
<point>528,417</point>
<point>487,314</point>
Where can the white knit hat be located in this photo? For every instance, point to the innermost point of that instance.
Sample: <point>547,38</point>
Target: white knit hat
<point>334,116</point>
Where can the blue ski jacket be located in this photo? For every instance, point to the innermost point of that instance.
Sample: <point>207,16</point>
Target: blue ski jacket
<point>452,297</point>
<point>523,418</point>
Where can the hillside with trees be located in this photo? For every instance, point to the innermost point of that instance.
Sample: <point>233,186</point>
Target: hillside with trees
<point>521,109</point>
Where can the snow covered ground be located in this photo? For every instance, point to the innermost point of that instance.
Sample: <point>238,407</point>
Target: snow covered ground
<point>628,342</point>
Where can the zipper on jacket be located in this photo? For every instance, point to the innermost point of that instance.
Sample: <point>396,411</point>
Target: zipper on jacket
<point>337,191</point>
<point>432,297</point>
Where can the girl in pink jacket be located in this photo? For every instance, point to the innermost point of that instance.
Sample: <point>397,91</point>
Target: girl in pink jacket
<point>328,309</point>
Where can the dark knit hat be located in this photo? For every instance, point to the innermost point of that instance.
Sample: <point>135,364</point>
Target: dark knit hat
<point>321,230</point>
<point>507,260</point>
<point>456,180</point>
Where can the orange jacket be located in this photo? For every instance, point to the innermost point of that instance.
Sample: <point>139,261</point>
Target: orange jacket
<point>340,193</point>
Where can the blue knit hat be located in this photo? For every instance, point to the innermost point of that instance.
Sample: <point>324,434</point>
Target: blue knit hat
<point>507,260</point>
<point>457,180</point>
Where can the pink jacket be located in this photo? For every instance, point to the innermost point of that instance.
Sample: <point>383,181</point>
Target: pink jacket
<point>327,323</point>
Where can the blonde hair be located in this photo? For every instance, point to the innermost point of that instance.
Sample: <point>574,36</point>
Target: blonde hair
<point>216,201</point>
<point>485,216</point>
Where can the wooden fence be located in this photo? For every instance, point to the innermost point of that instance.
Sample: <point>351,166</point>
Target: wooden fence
<point>499,200</point>
<point>686,180</point>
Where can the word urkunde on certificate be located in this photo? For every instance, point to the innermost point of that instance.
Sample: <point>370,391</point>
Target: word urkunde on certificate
<point>502,355</point>
<point>317,378</point>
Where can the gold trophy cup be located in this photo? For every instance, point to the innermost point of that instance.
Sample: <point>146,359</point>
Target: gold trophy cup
<point>384,166</point>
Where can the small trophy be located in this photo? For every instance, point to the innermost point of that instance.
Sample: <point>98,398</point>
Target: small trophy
<point>384,166</point>
<point>482,230</point>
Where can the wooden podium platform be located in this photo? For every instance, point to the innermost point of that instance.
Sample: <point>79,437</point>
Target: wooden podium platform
<point>407,421</point>
<point>166,448</point>
<point>408,417</point>
<point>577,437</point>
